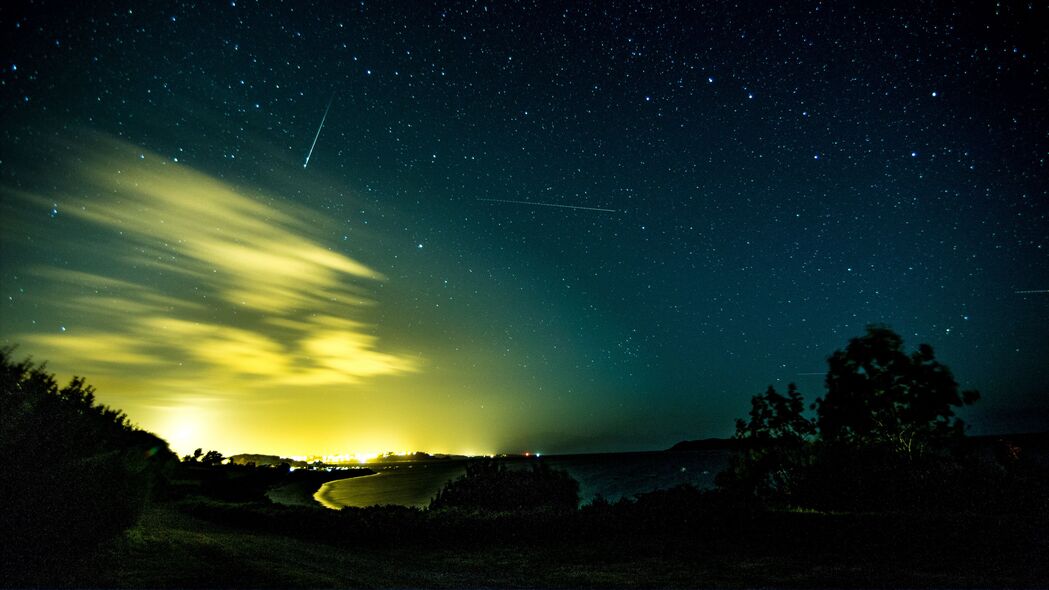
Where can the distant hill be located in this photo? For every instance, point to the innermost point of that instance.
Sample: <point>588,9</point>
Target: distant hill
<point>1036,441</point>
<point>706,444</point>
<point>414,457</point>
<point>264,460</point>
<point>1031,439</point>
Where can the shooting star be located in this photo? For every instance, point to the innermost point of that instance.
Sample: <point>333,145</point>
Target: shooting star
<point>549,205</point>
<point>1029,291</point>
<point>319,127</point>
<point>818,373</point>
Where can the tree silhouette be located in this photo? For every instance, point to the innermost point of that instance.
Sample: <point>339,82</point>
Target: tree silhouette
<point>877,395</point>
<point>492,486</point>
<point>775,418</point>
<point>883,412</point>
<point>774,443</point>
<point>75,472</point>
<point>212,458</point>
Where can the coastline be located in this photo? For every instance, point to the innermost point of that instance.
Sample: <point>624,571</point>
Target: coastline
<point>306,490</point>
<point>299,493</point>
<point>320,496</point>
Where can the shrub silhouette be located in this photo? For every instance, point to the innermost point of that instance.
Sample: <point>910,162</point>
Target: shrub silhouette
<point>76,472</point>
<point>775,442</point>
<point>884,437</point>
<point>492,486</point>
<point>877,395</point>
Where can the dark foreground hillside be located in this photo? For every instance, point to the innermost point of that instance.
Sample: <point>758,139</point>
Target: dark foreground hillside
<point>891,496</point>
<point>678,538</point>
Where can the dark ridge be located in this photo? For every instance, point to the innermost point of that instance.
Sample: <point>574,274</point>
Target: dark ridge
<point>707,444</point>
<point>1035,439</point>
<point>1026,439</point>
<point>264,460</point>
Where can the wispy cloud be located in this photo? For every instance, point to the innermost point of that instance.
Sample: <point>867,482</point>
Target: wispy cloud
<point>206,284</point>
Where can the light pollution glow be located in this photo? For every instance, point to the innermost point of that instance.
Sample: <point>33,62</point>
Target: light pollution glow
<point>268,309</point>
<point>224,316</point>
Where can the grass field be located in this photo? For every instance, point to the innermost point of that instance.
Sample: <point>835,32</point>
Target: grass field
<point>171,549</point>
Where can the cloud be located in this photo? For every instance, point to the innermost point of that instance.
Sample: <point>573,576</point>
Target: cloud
<point>205,284</point>
<point>252,253</point>
<point>97,349</point>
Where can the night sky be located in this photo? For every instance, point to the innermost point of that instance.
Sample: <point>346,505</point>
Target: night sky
<point>739,190</point>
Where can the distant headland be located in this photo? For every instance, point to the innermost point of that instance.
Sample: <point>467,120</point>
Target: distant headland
<point>707,444</point>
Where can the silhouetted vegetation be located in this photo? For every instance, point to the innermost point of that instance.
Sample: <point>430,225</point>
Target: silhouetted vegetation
<point>232,482</point>
<point>491,485</point>
<point>680,537</point>
<point>878,396</point>
<point>774,444</point>
<point>879,488</point>
<point>884,438</point>
<point>76,473</point>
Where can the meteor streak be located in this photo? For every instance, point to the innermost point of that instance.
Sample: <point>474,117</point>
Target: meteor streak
<point>1032,291</point>
<point>319,127</point>
<point>548,205</point>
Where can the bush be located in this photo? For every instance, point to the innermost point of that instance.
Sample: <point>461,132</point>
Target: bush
<point>885,437</point>
<point>76,473</point>
<point>879,479</point>
<point>492,486</point>
<point>774,444</point>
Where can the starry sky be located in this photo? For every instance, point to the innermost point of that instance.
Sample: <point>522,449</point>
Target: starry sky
<point>726,194</point>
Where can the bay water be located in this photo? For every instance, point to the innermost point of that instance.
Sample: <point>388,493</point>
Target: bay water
<point>610,475</point>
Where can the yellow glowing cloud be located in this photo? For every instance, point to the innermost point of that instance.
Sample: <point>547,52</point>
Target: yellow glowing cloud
<point>93,349</point>
<point>94,295</point>
<point>208,285</point>
<point>349,355</point>
<point>252,253</point>
<point>234,350</point>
